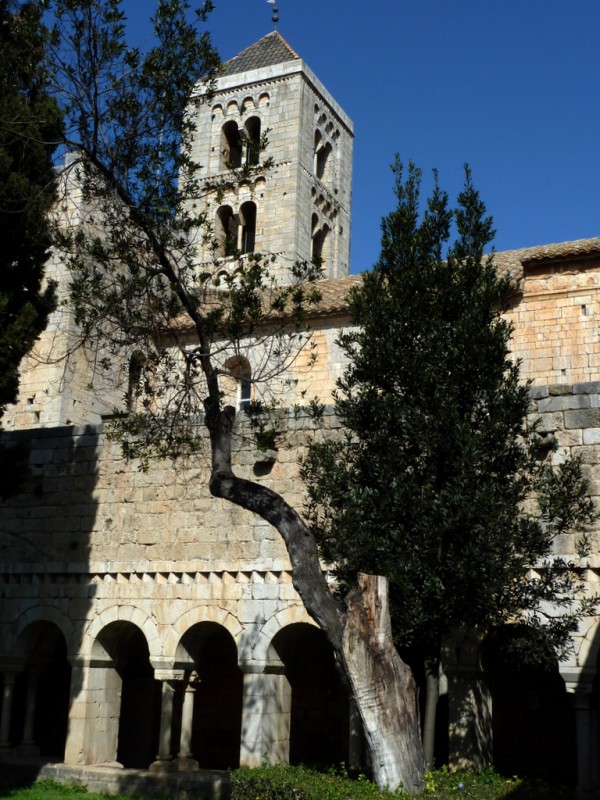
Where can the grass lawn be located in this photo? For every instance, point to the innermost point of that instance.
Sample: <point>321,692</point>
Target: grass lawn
<point>49,790</point>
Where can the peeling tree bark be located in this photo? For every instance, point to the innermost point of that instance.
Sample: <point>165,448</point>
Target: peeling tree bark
<point>381,683</point>
<point>383,687</point>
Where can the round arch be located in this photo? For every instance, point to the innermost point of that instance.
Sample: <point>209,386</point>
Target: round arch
<point>122,614</point>
<point>208,653</point>
<point>320,703</point>
<point>586,645</point>
<point>200,614</point>
<point>262,646</point>
<point>533,715</point>
<point>41,614</point>
<point>129,711</point>
<point>41,695</point>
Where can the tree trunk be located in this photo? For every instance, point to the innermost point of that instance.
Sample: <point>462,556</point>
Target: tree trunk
<point>432,693</point>
<point>381,683</point>
<point>383,687</point>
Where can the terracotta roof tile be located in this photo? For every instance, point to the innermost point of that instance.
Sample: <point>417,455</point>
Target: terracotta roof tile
<point>514,261</point>
<point>271,49</point>
<point>334,291</point>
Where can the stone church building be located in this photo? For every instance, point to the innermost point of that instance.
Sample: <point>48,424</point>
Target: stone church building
<point>145,625</point>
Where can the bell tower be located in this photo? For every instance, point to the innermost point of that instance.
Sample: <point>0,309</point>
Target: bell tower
<point>300,207</point>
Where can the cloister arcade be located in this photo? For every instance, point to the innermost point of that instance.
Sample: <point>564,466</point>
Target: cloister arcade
<point>202,707</point>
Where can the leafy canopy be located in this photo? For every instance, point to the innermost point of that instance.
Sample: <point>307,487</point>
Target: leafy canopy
<point>440,482</point>
<point>29,134</point>
<point>30,128</point>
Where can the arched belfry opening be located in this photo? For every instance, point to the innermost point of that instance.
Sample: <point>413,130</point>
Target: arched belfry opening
<point>248,224</point>
<point>252,128</point>
<point>211,696</point>
<point>127,726</point>
<point>40,698</point>
<point>320,704</point>
<point>323,161</point>
<point>318,252</point>
<point>231,146</point>
<point>226,231</point>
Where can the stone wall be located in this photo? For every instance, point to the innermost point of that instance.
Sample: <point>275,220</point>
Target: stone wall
<point>555,321</point>
<point>92,532</point>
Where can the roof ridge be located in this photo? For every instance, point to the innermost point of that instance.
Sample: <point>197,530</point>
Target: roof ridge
<point>283,41</point>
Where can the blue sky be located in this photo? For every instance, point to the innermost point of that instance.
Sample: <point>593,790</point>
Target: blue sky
<point>510,86</point>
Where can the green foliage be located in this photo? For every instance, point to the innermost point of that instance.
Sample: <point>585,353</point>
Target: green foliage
<point>284,782</point>
<point>440,483</point>
<point>30,129</point>
<point>486,784</point>
<point>299,783</point>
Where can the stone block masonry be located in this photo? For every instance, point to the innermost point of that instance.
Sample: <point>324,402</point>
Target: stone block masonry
<point>110,575</point>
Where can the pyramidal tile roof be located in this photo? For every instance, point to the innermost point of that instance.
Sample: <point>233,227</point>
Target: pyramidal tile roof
<point>271,49</point>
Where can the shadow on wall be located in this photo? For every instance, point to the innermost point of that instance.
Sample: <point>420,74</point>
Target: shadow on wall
<point>319,712</point>
<point>583,682</point>
<point>78,683</point>
<point>45,531</point>
<point>520,719</point>
<point>533,717</point>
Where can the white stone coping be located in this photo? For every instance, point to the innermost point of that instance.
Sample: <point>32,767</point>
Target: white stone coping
<point>141,567</point>
<point>243,80</point>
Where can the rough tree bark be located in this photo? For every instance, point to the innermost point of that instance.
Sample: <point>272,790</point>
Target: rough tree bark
<point>382,684</point>
<point>383,687</point>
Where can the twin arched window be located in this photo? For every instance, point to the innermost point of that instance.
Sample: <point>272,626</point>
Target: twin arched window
<point>236,233</point>
<point>240,146</point>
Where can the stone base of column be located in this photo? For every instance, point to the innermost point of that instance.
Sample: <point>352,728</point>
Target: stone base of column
<point>162,765</point>
<point>186,764</point>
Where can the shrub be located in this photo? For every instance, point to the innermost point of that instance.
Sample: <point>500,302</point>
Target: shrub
<point>284,782</point>
<point>300,783</point>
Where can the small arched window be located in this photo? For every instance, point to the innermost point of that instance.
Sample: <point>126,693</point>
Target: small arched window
<point>239,369</point>
<point>252,140</point>
<point>227,231</point>
<point>248,223</point>
<point>231,146</point>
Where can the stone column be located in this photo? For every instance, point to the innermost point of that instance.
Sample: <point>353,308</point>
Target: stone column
<point>470,718</point>
<point>587,756</point>
<point>185,761</point>
<point>95,706</point>
<point>170,678</point>
<point>266,715</point>
<point>7,698</point>
<point>28,746</point>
